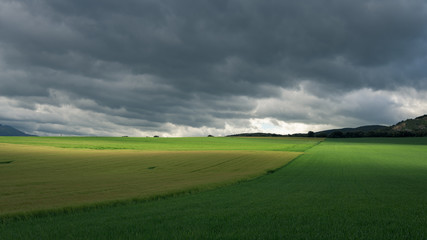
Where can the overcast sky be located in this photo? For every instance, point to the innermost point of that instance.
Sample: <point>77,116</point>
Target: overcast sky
<point>198,67</point>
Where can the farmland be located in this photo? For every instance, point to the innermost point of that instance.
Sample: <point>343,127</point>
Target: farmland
<point>339,189</point>
<point>168,144</point>
<point>78,172</point>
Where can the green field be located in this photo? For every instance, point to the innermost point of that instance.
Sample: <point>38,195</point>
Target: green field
<point>168,144</point>
<point>339,189</point>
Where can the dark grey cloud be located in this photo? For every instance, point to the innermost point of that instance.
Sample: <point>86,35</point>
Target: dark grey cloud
<point>206,63</point>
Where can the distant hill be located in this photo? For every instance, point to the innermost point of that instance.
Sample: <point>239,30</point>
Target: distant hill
<point>11,131</point>
<point>346,131</point>
<point>362,129</point>
<point>256,135</point>
<point>409,128</point>
<point>412,125</point>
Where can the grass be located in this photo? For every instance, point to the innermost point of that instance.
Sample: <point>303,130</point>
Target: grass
<point>339,189</point>
<point>169,144</point>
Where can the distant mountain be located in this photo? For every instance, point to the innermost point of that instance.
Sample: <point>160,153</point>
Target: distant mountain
<point>11,131</point>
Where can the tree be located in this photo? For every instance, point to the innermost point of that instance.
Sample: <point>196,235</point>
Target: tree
<point>336,134</point>
<point>310,134</point>
<point>321,135</point>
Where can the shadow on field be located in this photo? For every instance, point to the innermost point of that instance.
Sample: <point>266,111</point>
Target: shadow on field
<point>6,162</point>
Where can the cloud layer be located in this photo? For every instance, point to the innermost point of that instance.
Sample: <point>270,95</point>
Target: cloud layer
<point>192,68</point>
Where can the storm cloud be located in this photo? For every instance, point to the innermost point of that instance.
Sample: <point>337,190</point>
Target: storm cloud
<point>189,68</point>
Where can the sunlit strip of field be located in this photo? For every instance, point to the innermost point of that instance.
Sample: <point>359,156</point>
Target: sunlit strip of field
<point>39,177</point>
<point>293,144</point>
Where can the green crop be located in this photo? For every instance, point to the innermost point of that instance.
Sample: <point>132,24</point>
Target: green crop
<point>169,144</point>
<point>339,189</point>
